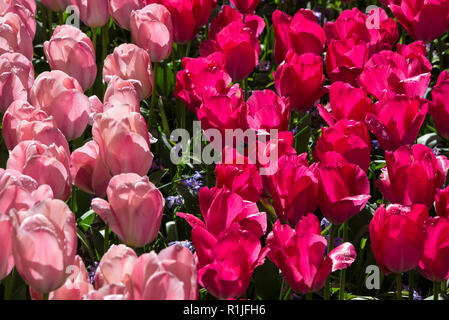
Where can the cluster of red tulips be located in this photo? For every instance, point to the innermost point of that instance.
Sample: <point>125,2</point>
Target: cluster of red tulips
<point>86,128</point>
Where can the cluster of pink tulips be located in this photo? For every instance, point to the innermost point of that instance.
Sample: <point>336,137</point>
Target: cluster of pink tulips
<point>349,98</point>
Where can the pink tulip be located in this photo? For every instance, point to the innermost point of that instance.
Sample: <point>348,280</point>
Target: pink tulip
<point>88,171</point>
<point>298,253</point>
<point>115,270</point>
<point>439,108</point>
<point>294,188</point>
<point>44,244</point>
<point>25,10</point>
<point>71,51</point>
<point>14,36</point>
<point>46,164</point>
<point>152,30</point>
<point>300,78</point>
<point>397,236</point>
<point>93,13</point>
<point>396,120</point>
<point>61,96</point>
<point>169,275</point>
<point>302,34</point>
<point>434,264</point>
<point>23,122</point>
<point>265,110</point>
<point>123,140</point>
<point>344,188</point>
<point>16,78</point>
<point>442,202</point>
<point>120,11</point>
<point>20,192</point>
<point>412,175</point>
<point>346,102</point>
<point>56,5</point>
<point>6,256</point>
<point>349,138</point>
<point>417,16</point>
<point>121,92</point>
<point>134,211</point>
<point>107,292</point>
<point>138,68</point>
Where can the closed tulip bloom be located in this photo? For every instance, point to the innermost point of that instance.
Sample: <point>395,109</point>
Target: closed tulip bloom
<point>349,138</point>
<point>152,29</point>
<point>93,13</point>
<point>88,170</point>
<point>120,11</point>
<point>245,6</point>
<point>56,5</point>
<point>44,244</point>
<point>61,96</point>
<point>25,10</point>
<point>46,164</point>
<point>397,236</point>
<point>115,269</point>
<point>346,102</point>
<point>434,264</point>
<point>169,275</point>
<point>344,188</point>
<point>138,68</point>
<point>20,192</point>
<point>6,256</point>
<point>71,51</point>
<point>16,78</point>
<point>23,122</point>
<point>121,92</point>
<point>265,110</point>
<point>300,78</point>
<point>439,107</point>
<point>417,16</point>
<point>412,175</point>
<point>298,253</point>
<point>442,202</point>
<point>294,188</point>
<point>123,140</point>
<point>134,211</point>
<point>396,120</point>
<point>14,36</point>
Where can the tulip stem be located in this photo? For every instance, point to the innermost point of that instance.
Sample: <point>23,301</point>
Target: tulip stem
<point>50,23</point>
<point>106,238</point>
<point>45,296</point>
<point>309,296</point>
<point>323,11</point>
<point>410,285</point>
<point>61,18</point>
<point>153,95</point>
<point>343,272</point>
<point>399,286</point>
<point>105,43</point>
<point>443,287</point>
<point>9,284</point>
<point>436,291</point>
<point>330,246</point>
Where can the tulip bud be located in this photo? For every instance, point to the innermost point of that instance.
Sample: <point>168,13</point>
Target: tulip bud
<point>439,107</point>
<point>14,36</point>
<point>6,256</point>
<point>121,10</point>
<point>93,13</point>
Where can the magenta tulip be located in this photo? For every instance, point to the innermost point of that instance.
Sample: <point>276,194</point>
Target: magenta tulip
<point>439,108</point>
<point>442,202</point>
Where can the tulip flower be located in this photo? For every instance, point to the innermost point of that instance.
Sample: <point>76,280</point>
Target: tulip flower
<point>134,211</point>
<point>344,188</point>
<point>298,253</point>
<point>349,138</point>
<point>412,175</point>
<point>346,102</point>
<point>44,244</point>
<point>46,164</point>
<point>23,122</point>
<point>389,71</point>
<point>120,10</point>
<point>121,92</point>
<point>416,17</point>
<point>61,96</point>
<point>397,236</point>
<point>93,13</point>
<point>71,51</point>
<point>294,188</point>
<point>442,202</point>
<point>56,5</point>
<point>14,36</point>
<point>138,68</point>
<point>169,275</point>
<point>152,30</point>
<point>439,108</point>
<point>300,78</point>
<point>16,78</point>
<point>396,120</point>
<point>434,264</point>
<point>6,256</point>
<point>302,34</point>
<point>26,10</point>
<point>265,110</point>
<point>114,272</point>
<point>88,171</point>
<point>123,140</point>
<point>245,6</point>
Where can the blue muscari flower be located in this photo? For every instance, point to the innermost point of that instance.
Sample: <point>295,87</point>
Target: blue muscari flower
<point>194,183</point>
<point>175,200</point>
<point>91,271</point>
<point>186,244</point>
<point>325,223</point>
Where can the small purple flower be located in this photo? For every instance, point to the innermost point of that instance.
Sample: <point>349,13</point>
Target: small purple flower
<point>264,66</point>
<point>324,223</point>
<point>91,271</point>
<point>375,144</point>
<point>186,244</point>
<point>174,200</point>
<point>194,183</point>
